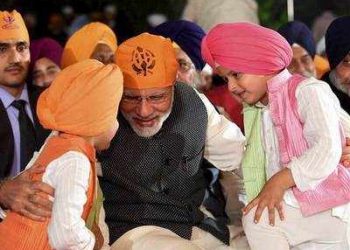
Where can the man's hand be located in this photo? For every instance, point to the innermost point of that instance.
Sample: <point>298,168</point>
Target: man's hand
<point>271,196</point>
<point>27,197</point>
<point>345,159</point>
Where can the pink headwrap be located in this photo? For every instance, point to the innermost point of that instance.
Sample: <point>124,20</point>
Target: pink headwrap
<point>45,47</point>
<point>246,48</point>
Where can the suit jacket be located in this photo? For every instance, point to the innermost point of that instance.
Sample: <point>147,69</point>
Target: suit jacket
<point>6,134</point>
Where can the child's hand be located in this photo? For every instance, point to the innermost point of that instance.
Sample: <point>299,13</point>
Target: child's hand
<point>345,159</point>
<point>271,196</point>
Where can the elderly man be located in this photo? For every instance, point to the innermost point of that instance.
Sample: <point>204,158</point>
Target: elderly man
<point>187,37</point>
<point>338,53</point>
<point>300,38</point>
<point>304,60</point>
<point>152,180</point>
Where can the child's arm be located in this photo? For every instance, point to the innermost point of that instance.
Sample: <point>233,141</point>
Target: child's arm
<point>319,113</point>
<point>69,175</point>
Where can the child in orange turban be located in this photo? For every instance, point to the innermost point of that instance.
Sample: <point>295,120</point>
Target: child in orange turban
<point>80,107</point>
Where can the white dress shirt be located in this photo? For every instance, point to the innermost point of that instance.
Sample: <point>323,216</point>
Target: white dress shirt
<point>224,144</point>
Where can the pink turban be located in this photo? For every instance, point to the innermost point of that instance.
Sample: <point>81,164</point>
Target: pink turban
<point>246,48</point>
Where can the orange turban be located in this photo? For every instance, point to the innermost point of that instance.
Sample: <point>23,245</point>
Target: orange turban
<point>147,61</point>
<point>12,27</point>
<point>83,99</point>
<point>83,42</point>
<point>322,66</point>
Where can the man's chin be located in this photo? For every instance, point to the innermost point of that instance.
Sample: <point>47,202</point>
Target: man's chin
<point>146,131</point>
<point>15,84</point>
<point>308,74</point>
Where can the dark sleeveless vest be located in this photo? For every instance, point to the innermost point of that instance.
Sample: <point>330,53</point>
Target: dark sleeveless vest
<point>158,180</point>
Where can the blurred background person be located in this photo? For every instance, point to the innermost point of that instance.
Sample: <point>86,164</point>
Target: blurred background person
<point>305,61</point>
<point>338,53</point>
<point>94,40</point>
<point>208,13</point>
<point>45,61</point>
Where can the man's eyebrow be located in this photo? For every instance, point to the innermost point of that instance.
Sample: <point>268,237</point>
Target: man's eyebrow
<point>22,43</point>
<point>51,67</point>
<point>306,55</point>
<point>36,72</point>
<point>4,44</point>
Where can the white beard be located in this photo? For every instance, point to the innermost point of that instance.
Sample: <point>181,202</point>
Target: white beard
<point>337,83</point>
<point>148,131</point>
<point>309,74</point>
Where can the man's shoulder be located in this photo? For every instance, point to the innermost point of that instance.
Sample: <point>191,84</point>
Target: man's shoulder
<point>186,94</point>
<point>183,86</point>
<point>185,90</point>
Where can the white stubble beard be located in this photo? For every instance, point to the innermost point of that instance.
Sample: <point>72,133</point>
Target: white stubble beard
<point>148,132</point>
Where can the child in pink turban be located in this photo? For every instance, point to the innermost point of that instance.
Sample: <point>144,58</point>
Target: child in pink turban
<point>295,129</point>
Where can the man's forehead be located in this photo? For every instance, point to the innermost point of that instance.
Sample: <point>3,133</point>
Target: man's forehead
<point>180,54</point>
<point>299,50</point>
<point>12,41</point>
<point>46,62</point>
<point>146,92</point>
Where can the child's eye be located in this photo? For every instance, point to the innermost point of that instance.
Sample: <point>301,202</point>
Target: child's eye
<point>235,75</point>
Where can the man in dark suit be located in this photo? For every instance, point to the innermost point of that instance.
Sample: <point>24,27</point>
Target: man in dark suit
<point>20,132</point>
<point>9,165</point>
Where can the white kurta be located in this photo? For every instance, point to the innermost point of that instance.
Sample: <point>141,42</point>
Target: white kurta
<point>320,111</point>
